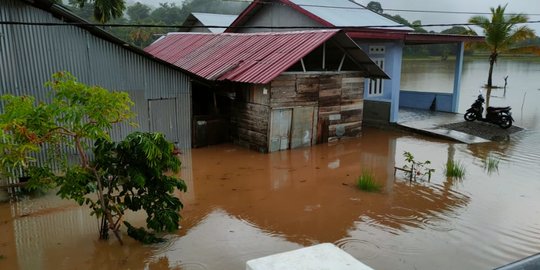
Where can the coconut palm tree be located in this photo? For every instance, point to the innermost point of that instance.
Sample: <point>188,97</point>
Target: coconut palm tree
<point>104,10</point>
<point>501,32</point>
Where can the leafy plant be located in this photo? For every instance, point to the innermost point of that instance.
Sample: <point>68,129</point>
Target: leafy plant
<point>491,164</point>
<point>416,169</point>
<point>130,175</point>
<point>366,182</point>
<point>134,171</point>
<point>455,169</point>
<point>40,180</point>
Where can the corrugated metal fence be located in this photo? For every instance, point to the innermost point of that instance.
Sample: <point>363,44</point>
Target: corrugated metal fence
<point>30,54</point>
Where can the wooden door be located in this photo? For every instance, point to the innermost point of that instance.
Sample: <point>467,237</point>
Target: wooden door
<point>303,126</point>
<point>280,130</point>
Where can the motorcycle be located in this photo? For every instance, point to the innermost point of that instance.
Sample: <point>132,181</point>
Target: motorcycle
<point>496,115</point>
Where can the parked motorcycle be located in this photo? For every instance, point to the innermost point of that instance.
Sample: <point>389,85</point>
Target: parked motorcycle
<point>496,115</point>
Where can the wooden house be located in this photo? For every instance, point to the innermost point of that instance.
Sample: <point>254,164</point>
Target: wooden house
<point>272,91</point>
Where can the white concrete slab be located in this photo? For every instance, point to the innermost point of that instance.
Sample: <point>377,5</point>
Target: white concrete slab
<point>319,257</point>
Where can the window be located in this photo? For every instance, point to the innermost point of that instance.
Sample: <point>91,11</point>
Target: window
<point>376,86</point>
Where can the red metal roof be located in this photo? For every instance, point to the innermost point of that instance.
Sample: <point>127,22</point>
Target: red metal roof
<point>249,58</point>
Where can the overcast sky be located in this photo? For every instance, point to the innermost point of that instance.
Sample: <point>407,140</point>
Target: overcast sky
<point>514,6</point>
<point>482,6</point>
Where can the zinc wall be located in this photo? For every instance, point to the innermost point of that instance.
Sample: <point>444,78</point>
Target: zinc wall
<point>30,54</point>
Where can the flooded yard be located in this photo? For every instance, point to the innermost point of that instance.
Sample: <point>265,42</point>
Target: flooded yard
<point>242,205</point>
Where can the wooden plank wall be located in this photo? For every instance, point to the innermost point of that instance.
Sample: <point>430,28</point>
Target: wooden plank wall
<point>341,105</point>
<point>250,118</point>
<point>338,97</point>
<point>294,91</point>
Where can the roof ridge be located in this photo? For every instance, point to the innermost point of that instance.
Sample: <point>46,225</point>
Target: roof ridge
<point>258,33</point>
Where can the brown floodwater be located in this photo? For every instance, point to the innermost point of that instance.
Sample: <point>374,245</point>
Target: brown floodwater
<point>243,205</point>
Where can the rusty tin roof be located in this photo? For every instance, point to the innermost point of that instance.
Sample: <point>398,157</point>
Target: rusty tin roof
<point>250,57</point>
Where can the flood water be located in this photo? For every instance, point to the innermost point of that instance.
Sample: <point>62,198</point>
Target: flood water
<point>243,205</point>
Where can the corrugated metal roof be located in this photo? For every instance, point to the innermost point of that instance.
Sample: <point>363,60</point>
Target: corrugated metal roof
<point>342,13</point>
<point>211,19</point>
<point>250,58</point>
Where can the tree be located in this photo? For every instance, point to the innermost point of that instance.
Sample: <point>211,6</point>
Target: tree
<point>104,10</point>
<point>169,14</point>
<point>417,26</point>
<point>138,12</point>
<point>501,32</point>
<point>375,7</point>
<point>455,30</point>
<point>130,175</point>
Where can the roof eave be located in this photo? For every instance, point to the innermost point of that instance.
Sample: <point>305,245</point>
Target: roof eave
<point>360,58</point>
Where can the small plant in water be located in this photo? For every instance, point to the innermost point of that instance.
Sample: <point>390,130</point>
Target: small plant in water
<point>366,182</point>
<point>416,169</point>
<point>491,164</point>
<point>455,169</point>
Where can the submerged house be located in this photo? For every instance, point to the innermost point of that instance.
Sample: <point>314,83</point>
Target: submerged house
<point>204,22</point>
<point>382,38</point>
<point>272,91</point>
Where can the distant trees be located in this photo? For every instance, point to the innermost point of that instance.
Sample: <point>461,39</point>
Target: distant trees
<point>375,6</point>
<point>103,10</point>
<point>455,30</point>
<point>138,12</point>
<point>167,14</point>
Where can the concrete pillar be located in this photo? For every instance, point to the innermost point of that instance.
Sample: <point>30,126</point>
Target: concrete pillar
<point>457,76</point>
<point>394,61</point>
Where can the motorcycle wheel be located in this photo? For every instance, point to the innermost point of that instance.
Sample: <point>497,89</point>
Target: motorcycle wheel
<point>505,122</point>
<point>470,116</point>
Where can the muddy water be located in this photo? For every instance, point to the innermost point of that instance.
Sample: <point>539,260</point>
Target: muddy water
<point>242,205</point>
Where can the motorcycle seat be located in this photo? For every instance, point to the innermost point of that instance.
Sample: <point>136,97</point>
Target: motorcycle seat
<point>491,109</point>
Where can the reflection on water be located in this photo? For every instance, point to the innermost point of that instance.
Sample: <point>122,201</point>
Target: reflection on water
<point>522,93</point>
<point>242,205</point>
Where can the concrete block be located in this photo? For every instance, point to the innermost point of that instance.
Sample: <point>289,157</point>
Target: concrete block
<point>319,257</point>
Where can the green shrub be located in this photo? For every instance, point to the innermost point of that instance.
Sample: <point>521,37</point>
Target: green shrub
<point>134,174</point>
<point>455,169</point>
<point>366,182</point>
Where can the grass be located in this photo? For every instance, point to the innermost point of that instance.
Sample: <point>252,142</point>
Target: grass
<point>455,169</point>
<point>491,164</point>
<point>366,182</point>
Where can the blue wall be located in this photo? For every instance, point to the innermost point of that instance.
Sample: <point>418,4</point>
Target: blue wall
<point>392,67</point>
<point>423,100</point>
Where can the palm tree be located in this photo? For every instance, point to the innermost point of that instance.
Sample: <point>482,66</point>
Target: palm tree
<point>104,10</point>
<point>501,32</point>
